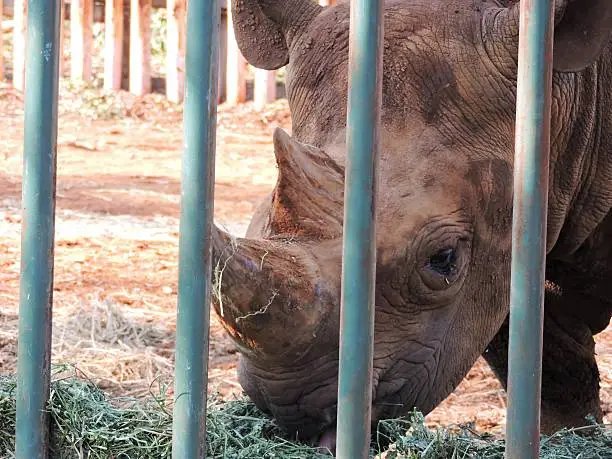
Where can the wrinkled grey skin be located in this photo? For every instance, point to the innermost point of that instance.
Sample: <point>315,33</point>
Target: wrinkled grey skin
<point>445,183</point>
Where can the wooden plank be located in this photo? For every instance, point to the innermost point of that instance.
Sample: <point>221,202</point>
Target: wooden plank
<point>19,43</point>
<point>125,49</point>
<point>175,50</point>
<point>113,44</point>
<point>235,86</point>
<point>140,47</point>
<point>62,37</point>
<point>81,39</point>
<point>222,94</point>
<point>1,41</point>
<point>264,90</point>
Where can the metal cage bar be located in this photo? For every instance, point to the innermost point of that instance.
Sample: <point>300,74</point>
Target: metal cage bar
<point>38,229</point>
<point>534,89</point>
<point>359,245</point>
<point>193,316</point>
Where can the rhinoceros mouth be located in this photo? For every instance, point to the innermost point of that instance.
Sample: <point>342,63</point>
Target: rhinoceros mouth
<point>385,405</point>
<point>327,441</point>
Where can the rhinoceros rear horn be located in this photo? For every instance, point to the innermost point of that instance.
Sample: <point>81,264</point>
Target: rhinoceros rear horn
<point>265,29</point>
<point>582,31</point>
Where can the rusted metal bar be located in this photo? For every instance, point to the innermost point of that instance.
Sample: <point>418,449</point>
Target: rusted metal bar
<point>359,248</point>
<point>529,227</point>
<point>38,229</point>
<point>193,319</point>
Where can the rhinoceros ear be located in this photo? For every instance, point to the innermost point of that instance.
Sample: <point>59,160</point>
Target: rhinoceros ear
<point>309,194</point>
<point>582,32</point>
<point>264,29</point>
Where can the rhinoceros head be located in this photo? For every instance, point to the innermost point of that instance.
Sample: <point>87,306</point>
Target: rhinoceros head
<point>444,200</point>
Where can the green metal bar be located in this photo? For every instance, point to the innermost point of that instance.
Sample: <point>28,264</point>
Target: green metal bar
<point>193,319</point>
<point>534,88</point>
<point>359,248</point>
<point>38,228</point>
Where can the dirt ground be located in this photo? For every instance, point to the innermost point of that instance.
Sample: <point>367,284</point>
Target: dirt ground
<point>118,191</point>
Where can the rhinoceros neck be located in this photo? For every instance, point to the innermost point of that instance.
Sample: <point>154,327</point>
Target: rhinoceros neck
<point>581,164</point>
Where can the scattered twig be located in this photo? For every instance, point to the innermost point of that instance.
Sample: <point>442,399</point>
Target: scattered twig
<point>261,310</point>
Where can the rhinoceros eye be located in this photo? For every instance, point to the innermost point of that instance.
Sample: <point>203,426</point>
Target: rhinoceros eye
<point>444,262</point>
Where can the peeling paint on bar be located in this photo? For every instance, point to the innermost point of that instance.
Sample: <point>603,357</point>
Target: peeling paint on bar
<point>194,293</point>
<point>359,247</point>
<point>529,228</point>
<point>38,229</point>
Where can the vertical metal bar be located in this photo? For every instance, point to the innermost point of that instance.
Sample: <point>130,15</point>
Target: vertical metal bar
<point>38,228</point>
<point>534,88</point>
<point>359,248</point>
<point>189,429</point>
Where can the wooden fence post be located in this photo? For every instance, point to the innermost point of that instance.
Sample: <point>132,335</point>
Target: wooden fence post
<point>175,50</point>
<point>1,41</point>
<point>140,47</point>
<point>113,44</point>
<point>222,86</point>
<point>236,65</point>
<point>20,12</point>
<point>81,39</point>
<point>264,90</point>
<point>125,48</point>
<point>61,37</point>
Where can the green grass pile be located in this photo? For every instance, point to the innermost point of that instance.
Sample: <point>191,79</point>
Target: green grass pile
<point>87,424</point>
<point>413,440</point>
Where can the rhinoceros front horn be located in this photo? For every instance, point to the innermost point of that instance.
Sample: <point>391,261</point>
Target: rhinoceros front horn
<point>265,29</point>
<point>267,295</point>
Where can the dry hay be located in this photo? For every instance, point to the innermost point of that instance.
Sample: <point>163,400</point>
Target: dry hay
<point>86,423</point>
<point>121,349</point>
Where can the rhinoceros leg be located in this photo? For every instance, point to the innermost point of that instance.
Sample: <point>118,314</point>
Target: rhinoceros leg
<point>570,377</point>
<point>578,305</point>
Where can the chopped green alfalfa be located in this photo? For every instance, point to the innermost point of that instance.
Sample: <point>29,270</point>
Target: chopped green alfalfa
<point>87,424</point>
